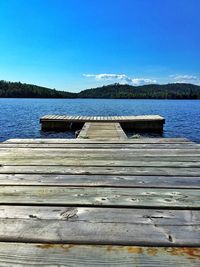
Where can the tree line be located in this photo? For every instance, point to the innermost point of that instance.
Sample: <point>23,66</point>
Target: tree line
<point>152,91</point>
<point>22,90</point>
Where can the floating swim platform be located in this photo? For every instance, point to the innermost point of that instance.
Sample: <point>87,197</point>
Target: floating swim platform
<point>141,123</point>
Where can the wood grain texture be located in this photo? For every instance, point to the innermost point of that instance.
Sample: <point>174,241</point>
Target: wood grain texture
<point>99,226</point>
<point>102,118</point>
<point>99,196</point>
<point>100,145</point>
<point>146,122</point>
<point>116,153</point>
<point>106,162</point>
<point>84,170</point>
<point>80,141</point>
<point>101,180</point>
<point>101,130</point>
<point>26,254</point>
<point>80,155</point>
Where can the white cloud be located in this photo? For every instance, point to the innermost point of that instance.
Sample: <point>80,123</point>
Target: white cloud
<point>186,78</point>
<point>120,78</point>
<point>138,81</point>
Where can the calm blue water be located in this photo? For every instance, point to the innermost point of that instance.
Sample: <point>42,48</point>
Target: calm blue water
<point>19,118</point>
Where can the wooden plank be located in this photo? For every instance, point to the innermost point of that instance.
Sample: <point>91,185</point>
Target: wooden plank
<point>101,180</point>
<point>120,131</point>
<point>84,130</point>
<point>134,171</point>
<point>68,118</point>
<point>24,254</point>
<point>102,130</point>
<point>151,122</point>
<point>85,162</point>
<point>86,118</point>
<point>62,141</point>
<point>53,117</point>
<point>98,160</point>
<point>129,197</point>
<point>97,146</point>
<point>117,118</point>
<point>123,153</point>
<point>92,154</point>
<point>99,226</point>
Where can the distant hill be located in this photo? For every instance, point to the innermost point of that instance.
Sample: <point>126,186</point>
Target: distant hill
<point>152,91</point>
<point>22,90</point>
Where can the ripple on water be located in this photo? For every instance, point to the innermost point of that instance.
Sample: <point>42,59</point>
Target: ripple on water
<point>20,117</point>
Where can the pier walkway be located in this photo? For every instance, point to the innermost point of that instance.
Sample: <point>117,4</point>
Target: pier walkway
<point>102,131</point>
<point>88,202</point>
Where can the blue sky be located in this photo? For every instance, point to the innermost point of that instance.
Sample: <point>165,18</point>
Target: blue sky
<point>77,44</point>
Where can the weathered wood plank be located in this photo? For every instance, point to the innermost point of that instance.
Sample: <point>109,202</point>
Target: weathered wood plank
<point>98,196</point>
<point>124,153</point>
<point>115,118</point>
<point>105,154</point>
<point>89,157</point>
<point>163,217</point>
<point>101,180</point>
<point>62,141</point>
<point>134,171</point>
<point>106,162</point>
<point>25,254</point>
<point>83,132</point>
<point>186,145</point>
<point>120,181</point>
<point>100,130</point>
<point>99,226</point>
<point>95,156</point>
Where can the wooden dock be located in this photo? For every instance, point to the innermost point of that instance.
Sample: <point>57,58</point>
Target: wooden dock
<point>102,131</point>
<point>88,202</point>
<point>140,123</point>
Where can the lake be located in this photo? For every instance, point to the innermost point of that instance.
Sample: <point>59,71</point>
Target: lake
<point>20,117</point>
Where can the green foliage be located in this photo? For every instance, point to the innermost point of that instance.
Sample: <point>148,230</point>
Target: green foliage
<point>152,91</point>
<point>19,90</point>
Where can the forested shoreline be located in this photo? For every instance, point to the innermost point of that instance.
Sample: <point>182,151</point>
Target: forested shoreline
<point>118,91</point>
